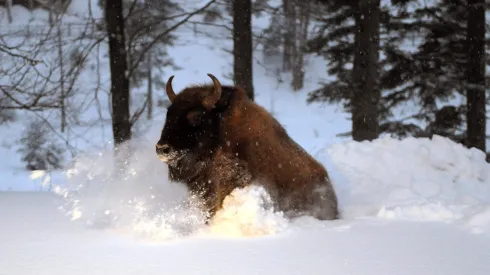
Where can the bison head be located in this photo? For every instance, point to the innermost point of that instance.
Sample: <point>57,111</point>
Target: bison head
<point>190,132</point>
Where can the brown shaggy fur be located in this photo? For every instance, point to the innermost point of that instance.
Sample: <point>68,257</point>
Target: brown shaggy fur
<point>252,147</point>
<point>288,172</point>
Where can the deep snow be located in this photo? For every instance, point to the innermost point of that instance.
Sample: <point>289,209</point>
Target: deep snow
<point>36,239</point>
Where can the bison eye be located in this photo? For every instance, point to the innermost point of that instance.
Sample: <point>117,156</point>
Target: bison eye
<point>195,117</point>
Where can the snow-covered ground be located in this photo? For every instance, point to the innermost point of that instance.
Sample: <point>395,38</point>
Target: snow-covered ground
<point>36,239</point>
<point>409,207</point>
<point>414,206</point>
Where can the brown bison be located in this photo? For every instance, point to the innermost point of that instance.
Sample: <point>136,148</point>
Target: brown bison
<point>216,139</point>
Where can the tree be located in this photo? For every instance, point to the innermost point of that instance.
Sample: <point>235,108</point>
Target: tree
<point>285,39</point>
<point>475,75</point>
<point>147,32</point>
<point>38,151</point>
<point>145,22</point>
<point>303,14</point>
<point>6,115</point>
<point>334,40</point>
<point>242,45</point>
<point>350,39</point>
<point>433,76</point>
<point>423,50</point>
<point>289,34</point>
<point>365,88</point>
<point>9,11</point>
<point>121,126</point>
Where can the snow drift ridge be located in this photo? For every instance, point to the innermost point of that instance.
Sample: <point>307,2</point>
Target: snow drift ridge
<point>414,178</point>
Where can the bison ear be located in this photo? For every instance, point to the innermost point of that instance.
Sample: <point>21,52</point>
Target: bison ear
<point>210,101</point>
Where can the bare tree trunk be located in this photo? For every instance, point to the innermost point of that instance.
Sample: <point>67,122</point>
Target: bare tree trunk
<point>475,39</point>
<point>9,11</point>
<point>299,53</point>
<point>242,45</point>
<point>62,76</point>
<point>149,99</point>
<point>121,126</point>
<point>289,39</point>
<point>366,94</point>
<point>50,12</point>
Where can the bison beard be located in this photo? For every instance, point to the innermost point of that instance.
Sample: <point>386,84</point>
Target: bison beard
<point>215,139</point>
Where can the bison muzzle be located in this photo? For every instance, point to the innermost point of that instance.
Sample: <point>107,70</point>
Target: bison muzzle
<point>216,139</point>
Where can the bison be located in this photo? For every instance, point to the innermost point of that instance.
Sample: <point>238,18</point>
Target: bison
<point>216,139</point>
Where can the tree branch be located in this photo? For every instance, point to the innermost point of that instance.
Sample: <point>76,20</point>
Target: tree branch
<point>169,30</point>
<point>8,51</point>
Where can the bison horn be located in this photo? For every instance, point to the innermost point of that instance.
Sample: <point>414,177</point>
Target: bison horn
<point>211,99</point>
<point>170,91</point>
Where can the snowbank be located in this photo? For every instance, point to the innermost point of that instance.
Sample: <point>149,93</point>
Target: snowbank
<point>415,179</point>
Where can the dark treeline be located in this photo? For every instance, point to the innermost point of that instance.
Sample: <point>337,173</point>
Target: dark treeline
<point>407,69</point>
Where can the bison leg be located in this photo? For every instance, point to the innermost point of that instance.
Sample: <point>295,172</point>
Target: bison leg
<point>211,202</point>
<point>227,174</point>
<point>323,203</point>
<point>214,202</point>
<point>319,202</point>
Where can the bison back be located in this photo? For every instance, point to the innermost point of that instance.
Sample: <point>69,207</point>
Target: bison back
<point>295,179</point>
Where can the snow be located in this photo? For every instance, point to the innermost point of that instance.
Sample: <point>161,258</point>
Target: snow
<point>245,213</point>
<point>415,179</point>
<point>45,243</point>
<point>411,206</point>
<point>392,221</point>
